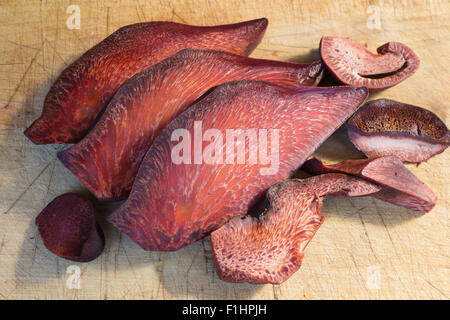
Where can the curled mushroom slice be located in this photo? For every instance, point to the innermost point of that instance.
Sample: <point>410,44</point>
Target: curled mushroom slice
<point>352,64</point>
<point>68,228</point>
<point>269,248</point>
<point>386,127</point>
<point>400,186</point>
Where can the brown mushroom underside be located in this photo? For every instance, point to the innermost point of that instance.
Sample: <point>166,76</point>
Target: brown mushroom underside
<point>390,128</point>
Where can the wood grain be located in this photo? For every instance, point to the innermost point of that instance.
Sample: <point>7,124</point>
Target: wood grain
<point>359,237</point>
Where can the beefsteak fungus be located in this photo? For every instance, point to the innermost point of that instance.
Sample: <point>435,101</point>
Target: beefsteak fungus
<point>176,200</point>
<point>352,64</point>
<point>108,158</point>
<point>85,87</point>
<point>270,248</point>
<point>400,186</point>
<point>68,228</point>
<point>390,128</point>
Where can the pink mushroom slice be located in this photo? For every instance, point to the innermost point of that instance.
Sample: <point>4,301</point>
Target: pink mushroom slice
<point>390,128</point>
<point>352,64</point>
<point>174,202</point>
<point>270,248</point>
<point>84,88</point>
<point>400,186</point>
<point>108,158</point>
<point>68,228</point>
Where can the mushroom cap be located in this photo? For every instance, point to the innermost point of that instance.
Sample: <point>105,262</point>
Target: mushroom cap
<point>68,228</point>
<point>390,128</point>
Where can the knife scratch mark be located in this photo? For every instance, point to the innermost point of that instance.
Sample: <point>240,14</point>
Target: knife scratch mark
<point>359,272</point>
<point>142,11</point>
<point>10,63</point>
<point>187,273</point>
<point>385,226</point>
<point>437,289</point>
<point>51,177</point>
<point>367,236</point>
<point>275,289</point>
<point>23,45</point>
<point>141,290</point>
<point>26,189</point>
<point>107,19</point>
<point>2,244</point>
<point>174,14</point>
<point>137,12</point>
<point>160,271</point>
<point>23,78</point>
<point>364,226</point>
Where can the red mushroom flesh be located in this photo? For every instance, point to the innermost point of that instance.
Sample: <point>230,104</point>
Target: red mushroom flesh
<point>400,186</point>
<point>352,64</point>
<point>270,248</point>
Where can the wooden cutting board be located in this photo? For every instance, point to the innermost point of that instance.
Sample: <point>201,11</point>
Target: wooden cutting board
<point>366,249</point>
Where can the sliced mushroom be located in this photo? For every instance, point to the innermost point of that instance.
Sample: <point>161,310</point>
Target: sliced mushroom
<point>390,128</point>
<point>108,158</point>
<point>83,89</point>
<point>270,248</point>
<point>400,186</point>
<point>177,200</point>
<point>68,228</point>
<point>352,64</point>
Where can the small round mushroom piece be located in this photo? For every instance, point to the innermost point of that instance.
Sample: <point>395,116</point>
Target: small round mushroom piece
<point>390,128</point>
<point>352,64</point>
<point>269,248</point>
<point>68,228</point>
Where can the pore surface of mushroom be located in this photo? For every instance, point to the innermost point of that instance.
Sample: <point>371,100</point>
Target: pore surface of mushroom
<point>270,248</point>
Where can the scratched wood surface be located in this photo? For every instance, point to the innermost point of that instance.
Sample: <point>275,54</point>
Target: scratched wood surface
<point>365,248</point>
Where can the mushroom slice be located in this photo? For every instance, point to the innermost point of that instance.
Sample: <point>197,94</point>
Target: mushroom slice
<point>108,158</point>
<point>352,64</point>
<point>400,186</point>
<point>390,128</point>
<point>82,90</point>
<point>219,156</point>
<point>68,228</point>
<point>270,248</point>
